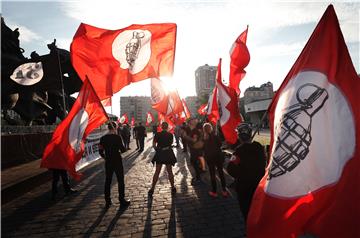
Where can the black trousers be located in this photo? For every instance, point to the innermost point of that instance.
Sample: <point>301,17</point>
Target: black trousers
<point>141,142</point>
<point>57,173</point>
<point>110,169</point>
<point>245,193</point>
<point>219,167</point>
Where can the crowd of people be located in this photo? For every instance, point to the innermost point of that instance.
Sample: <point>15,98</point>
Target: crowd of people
<point>202,141</point>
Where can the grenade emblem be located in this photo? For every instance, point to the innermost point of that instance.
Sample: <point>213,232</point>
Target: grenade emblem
<point>294,137</point>
<point>133,48</point>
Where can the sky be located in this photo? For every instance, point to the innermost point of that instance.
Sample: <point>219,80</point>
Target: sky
<point>206,29</point>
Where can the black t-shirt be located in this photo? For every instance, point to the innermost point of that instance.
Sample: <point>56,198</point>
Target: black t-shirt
<point>252,162</point>
<point>111,147</point>
<point>163,139</point>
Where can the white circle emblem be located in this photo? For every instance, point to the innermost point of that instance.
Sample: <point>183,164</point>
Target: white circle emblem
<point>77,129</point>
<point>28,74</point>
<point>314,136</point>
<point>132,48</point>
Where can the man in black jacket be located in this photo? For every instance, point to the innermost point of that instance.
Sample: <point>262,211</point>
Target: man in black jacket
<point>110,148</point>
<point>141,134</point>
<point>250,167</point>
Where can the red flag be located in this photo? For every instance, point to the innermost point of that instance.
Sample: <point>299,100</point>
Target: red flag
<point>124,119</point>
<point>202,109</point>
<point>115,58</point>
<point>186,111</point>
<point>181,117</point>
<point>162,118</point>
<point>228,109</point>
<point>67,143</point>
<point>132,121</point>
<point>240,58</point>
<point>175,104</point>
<point>106,102</point>
<point>212,108</point>
<point>312,184</point>
<point>149,118</point>
<point>159,97</point>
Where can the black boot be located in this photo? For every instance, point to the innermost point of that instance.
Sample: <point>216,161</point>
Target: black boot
<point>124,202</point>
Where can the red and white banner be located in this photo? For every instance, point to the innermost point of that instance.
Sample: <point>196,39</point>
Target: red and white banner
<point>228,105</point>
<point>149,118</point>
<point>203,109</point>
<point>239,59</point>
<point>159,96</point>
<point>312,184</point>
<point>164,101</point>
<point>67,143</point>
<point>124,119</point>
<point>212,107</point>
<point>113,59</point>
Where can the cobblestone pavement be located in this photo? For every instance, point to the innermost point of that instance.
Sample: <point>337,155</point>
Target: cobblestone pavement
<point>189,213</point>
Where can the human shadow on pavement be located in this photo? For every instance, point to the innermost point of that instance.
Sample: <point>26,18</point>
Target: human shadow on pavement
<point>96,223</point>
<point>42,203</point>
<point>148,221</point>
<point>113,222</point>
<point>172,220</point>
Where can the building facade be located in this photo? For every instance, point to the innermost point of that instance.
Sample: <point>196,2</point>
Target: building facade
<point>137,107</point>
<point>265,91</point>
<point>256,102</point>
<point>205,79</point>
<point>192,103</point>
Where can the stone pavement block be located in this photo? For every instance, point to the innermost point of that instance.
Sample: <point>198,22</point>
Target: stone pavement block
<point>189,213</point>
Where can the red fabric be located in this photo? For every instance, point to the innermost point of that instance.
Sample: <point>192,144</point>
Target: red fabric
<point>59,154</point>
<point>186,111</point>
<point>149,118</point>
<point>106,102</point>
<point>124,119</point>
<point>333,210</point>
<point>239,59</point>
<point>175,105</point>
<point>132,121</point>
<point>162,118</point>
<point>229,106</point>
<point>159,97</point>
<point>92,55</point>
<point>212,109</point>
<point>202,109</point>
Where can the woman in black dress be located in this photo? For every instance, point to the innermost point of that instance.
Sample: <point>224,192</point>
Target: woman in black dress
<point>164,154</point>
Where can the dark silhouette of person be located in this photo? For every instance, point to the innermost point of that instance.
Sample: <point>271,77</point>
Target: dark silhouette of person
<point>250,167</point>
<point>214,158</point>
<point>185,129</point>
<point>57,173</point>
<point>141,134</point>
<point>110,148</point>
<point>135,132</point>
<point>164,155</point>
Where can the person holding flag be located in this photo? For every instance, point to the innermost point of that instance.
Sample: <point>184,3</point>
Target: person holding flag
<point>110,148</point>
<point>140,135</point>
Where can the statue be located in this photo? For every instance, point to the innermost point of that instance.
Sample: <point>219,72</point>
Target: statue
<point>35,104</point>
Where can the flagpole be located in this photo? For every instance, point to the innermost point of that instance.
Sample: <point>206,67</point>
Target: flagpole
<point>258,127</point>
<point>61,80</point>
